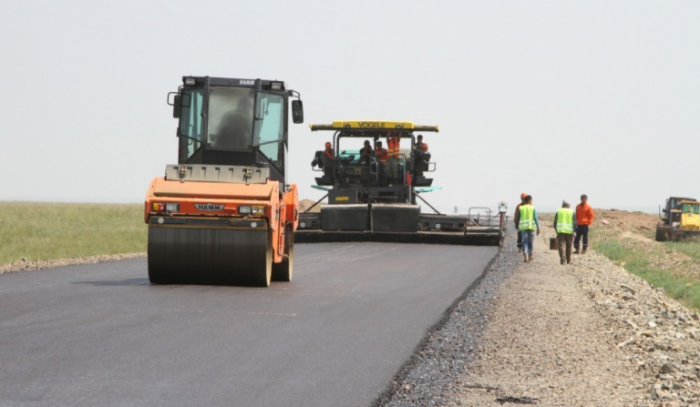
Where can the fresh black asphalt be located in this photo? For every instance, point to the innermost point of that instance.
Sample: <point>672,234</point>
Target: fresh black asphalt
<point>101,335</point>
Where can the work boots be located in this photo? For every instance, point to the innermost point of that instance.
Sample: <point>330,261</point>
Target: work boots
<point>584,251</point>
<point>578,251</point>
<point>527,257</point>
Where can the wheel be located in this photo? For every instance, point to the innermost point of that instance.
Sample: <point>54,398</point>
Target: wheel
<point>659,233</point>
<point>663,233</point>
<point>283,271</point>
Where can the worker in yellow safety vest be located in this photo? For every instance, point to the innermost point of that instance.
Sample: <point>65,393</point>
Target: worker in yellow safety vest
<point>527,222</point>
<point>564,222</point>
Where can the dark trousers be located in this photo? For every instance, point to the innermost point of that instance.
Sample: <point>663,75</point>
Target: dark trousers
<point>581,230</point>
<point>520,239</point>
<point>565,240</point>
<point>382,174</point>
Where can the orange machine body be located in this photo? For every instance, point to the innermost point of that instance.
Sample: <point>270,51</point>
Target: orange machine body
<point>224,200</point>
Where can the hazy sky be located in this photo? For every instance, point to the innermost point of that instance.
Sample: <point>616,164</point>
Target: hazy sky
<point>553,98</point>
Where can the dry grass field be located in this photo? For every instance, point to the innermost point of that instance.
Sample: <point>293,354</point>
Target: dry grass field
<point>38,231</point>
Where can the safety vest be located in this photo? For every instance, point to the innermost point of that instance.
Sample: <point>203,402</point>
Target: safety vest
<point>393,144</point>
<point>565,221</point>
<point>381,154</point>
<point>527,218</point>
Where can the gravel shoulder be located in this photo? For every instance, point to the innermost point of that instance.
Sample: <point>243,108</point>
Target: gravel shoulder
<point>541,333</point>
<point>24,265</point>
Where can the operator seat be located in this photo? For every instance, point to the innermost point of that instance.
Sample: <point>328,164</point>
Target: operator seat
<point>420,166</point>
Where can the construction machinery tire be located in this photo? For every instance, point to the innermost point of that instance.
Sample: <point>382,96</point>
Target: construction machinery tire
<point>180,255</point>
<point>662,232</point>
<point>283,271</point>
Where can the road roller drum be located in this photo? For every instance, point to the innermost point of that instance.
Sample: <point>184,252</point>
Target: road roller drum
<point>222,255</point>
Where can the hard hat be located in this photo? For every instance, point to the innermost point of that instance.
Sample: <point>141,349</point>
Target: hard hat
<point>328,144</point>
<point>523,195</point>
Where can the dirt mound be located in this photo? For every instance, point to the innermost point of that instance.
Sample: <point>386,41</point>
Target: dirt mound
<point>305,204</point>
<point>636,222</point>
<point>636,230</point>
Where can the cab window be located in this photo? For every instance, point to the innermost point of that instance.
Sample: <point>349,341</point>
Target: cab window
<point>270,128</point>
<point>691,208</point>
<point>230,118</point>
<point>191,124</point>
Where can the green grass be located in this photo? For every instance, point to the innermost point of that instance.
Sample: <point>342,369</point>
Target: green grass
<point>46,231</point>
<point>689,247</point>
<point>636,262</point>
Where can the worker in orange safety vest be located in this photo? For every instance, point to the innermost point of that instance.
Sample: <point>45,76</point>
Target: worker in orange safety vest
<point>584,220</point>
<point>381,155</point>
<point>329,151</point>
<point>393,139</point>
<point>380,152</point>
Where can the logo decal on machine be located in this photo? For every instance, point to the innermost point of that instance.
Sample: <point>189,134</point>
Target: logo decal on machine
<point>371,125</point>
<point>209,207</point>
<point>246,82</point>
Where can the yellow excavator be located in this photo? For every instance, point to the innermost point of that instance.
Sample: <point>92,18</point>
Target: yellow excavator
<point>680,220</point>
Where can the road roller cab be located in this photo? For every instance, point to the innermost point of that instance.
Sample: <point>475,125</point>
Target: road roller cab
<point>224,214</point>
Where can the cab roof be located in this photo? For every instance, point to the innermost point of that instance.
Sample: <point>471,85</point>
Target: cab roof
<point>214,81</point>
<point>372,125</point>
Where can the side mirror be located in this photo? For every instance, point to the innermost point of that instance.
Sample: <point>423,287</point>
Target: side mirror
<point>297,111</point>
<point>177,106</point>
<point>175,100</point>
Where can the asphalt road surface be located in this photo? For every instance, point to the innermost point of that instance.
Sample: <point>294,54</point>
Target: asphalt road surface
<point>101,335</point>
